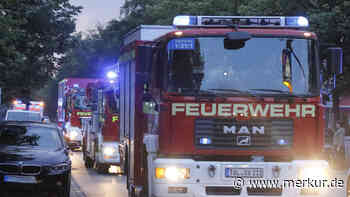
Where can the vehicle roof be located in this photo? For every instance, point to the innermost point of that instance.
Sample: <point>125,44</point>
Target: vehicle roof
<point>23,111</point>
<point>27,123</point>
<point>224,31</point>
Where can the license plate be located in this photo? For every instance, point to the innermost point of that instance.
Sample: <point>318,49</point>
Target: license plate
<point>244,172</point>
<point>19,179</point>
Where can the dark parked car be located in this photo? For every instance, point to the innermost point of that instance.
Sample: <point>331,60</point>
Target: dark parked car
<point>33,157</point>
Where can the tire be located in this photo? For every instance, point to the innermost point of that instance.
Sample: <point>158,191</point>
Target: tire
<point>131,192</point>
<point>101,168</point>
<point>126,169</point>
<point>87,161</point>
<point>65,192</point>
<point>348,188</point>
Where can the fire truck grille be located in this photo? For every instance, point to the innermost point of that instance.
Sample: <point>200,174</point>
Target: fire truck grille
<point>249,134</point>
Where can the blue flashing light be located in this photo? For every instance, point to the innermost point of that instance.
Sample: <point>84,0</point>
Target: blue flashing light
<point>185,20</point>
<point>205,140</point>
<point>302,21</point>
<point>282,142</point>
<point>242,21</point>
<point>112,75</point>
<point>298,21</point>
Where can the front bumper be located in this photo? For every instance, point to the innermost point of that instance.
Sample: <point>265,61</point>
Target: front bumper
<point>202,183</point>
<point>44,183</point>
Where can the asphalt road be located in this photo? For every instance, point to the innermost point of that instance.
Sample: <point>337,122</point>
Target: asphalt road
<point>88,183</point>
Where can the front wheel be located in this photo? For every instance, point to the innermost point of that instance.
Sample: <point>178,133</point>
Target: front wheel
<point>348,188</point>
<point>101,168</point>
<point>88,162</point>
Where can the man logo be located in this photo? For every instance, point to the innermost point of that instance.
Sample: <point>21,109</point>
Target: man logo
<point>243,140</point>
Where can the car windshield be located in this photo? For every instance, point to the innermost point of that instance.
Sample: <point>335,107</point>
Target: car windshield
<point>204,64</point>
<point>39,137</point>
<point>24,116</point>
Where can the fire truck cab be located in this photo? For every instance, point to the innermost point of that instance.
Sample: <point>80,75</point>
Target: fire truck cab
<point>215,101</point>
<point>72,108</point>
<point>101,130</point>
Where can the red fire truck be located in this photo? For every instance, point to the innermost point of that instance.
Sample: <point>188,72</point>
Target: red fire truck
<point>37,106</point>
<point>216,99</point>
<point>72,107</point>
<point>18,105</point>
<point>101,130</point>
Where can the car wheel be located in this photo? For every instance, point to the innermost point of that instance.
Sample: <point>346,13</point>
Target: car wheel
<point>131,192</point>
<point>90,163</point>
<point>65,192</point>
<point>102,169</point>
<point>87,161</point>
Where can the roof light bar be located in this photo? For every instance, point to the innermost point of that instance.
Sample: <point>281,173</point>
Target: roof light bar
<point>242,21</point>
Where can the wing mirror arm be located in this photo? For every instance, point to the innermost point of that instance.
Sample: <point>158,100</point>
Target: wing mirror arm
<point>287,68</point>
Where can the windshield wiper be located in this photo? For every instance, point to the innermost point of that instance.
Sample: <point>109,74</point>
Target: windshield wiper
<point>289,46</point>
<point>270,90</point>
<point>279,91</point>
<point>233,91</point>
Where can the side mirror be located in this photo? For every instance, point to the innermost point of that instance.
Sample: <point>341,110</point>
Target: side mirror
<point>287,68</point>
<point>68,148</point>
<point>334,60</point>
<point>149,105</point>
<point>236,40</point>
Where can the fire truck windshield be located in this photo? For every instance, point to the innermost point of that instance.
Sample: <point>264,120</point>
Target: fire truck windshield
<point>79,100</point>
<point>203,64</point>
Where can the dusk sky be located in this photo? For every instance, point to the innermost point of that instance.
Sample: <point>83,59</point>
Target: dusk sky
<point>96,12</point>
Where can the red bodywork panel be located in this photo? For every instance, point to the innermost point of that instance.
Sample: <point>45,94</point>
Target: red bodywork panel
<point>262,32</point>
<point>110,126</point>
<point>308,135</point>
<point>76,115</point>
<point>110,129</point>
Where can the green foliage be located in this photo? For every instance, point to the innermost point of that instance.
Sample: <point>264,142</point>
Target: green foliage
<point>32,32</point>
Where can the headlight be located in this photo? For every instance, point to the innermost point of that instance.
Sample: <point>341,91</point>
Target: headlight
<point>108,151</point>
<point>59,168</point>
<point>73,135</point>
<point>172,173</point>
<point>314,172</point>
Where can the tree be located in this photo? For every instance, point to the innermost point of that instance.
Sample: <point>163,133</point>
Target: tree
<point>33,33</point>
